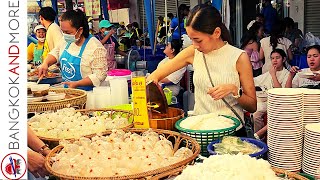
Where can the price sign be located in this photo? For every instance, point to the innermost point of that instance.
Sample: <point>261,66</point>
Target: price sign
<point>139,99</point>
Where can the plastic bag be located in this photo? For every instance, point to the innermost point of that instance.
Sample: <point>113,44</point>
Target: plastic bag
<point>310,40</point>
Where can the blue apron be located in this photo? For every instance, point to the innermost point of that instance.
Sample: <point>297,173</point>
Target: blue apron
<point>70,65</point>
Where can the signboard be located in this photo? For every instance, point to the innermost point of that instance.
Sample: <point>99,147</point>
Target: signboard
<point>92,7</point>
<point>139,99</point>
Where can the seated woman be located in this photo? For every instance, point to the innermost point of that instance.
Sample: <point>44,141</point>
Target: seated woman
<point>313,59</point>
<point>36,51</point>
<point>82,57</point>
<point>172,81</point>
<point>275,78</point>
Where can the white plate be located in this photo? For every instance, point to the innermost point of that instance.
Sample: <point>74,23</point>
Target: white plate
<point>314,127</point>
<point>55,97</point>
<point>306,75</point>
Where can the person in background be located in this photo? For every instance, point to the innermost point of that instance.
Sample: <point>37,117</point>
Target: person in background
<point>259,18</point>
<point>36,155</point>
<point>293,34</point>
<point>276,77</point>
<point>251,44</point>
<point>121,29</point>
<point>172,80</point>
<point>313,59</point>
<point>54,35</point>
<point>270,15</point>
<point>183,12</point>
<point>228,66</point>
<point>276,40</point>
<point>82,57</point>
<point>105,36</point>
<point>135,34</point>
<point>36,51</point>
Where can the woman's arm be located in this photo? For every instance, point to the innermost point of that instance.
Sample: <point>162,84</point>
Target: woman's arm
<point>248,99</point>
<point>182,59</point>
<point>35,143</point>
<point>106,37</point>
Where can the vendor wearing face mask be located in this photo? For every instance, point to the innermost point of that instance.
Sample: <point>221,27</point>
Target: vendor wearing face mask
<point>81,56</point>
<point>36,51</point>
<point>109,42</point>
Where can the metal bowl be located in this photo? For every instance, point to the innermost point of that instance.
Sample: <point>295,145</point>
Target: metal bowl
<point>120,59</point>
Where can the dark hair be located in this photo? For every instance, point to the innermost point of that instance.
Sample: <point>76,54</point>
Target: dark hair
<point>260,15</point>
<point>276,34</point>
<point>251,34</point>
<point>170,15</point>
<point>181,9</point>
<point>78,19</point>
<point>176,45</point>
<point>135,24</point>
<point>279,51</point>
<point>48,13</point>
<point>317,47</point>
<point>288,22</point>
<point>206,19</point>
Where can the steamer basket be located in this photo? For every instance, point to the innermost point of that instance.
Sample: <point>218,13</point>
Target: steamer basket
<point>178,140</point>
<point>53,142</point>
<point>74,98</point>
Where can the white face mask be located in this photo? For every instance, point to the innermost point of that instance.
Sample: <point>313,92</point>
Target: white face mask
<point>70,38</point>
<point>41,39</point>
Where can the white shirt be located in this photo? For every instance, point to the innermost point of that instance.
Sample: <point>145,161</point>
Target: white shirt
<point>265,80</point>
<point>283,44</point>
<point>174,77</point>
<point>301,82</point>
<point>53,36</point>
<point>222,68</point>
<point>93,63</point>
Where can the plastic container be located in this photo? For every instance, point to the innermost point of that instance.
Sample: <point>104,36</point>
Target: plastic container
<point>263,146</point>
<point>205,137</point>
<point>121,73</point>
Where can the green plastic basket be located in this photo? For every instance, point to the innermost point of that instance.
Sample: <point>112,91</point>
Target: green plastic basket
<point>205,137</point>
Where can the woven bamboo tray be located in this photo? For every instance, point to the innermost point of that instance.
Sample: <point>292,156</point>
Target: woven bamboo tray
<point>74,98</point>
<point>286,174</point>
<point>53,142</point>
<point>178,140</point>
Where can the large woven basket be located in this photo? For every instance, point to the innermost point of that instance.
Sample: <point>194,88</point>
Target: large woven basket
<point>205,137</point>
<point>53,142</point>
<point>77,98</point>
<point>286,174</point>
<point>178,140</point>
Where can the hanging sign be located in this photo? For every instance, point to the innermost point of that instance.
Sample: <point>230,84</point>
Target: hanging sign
<point>139,99</point>
<point>92,7</point>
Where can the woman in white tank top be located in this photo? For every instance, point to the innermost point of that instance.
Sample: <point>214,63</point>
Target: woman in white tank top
<point>229,67</point>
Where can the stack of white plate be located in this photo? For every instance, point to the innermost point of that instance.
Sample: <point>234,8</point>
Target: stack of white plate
<point>285,139</point>
<point>311,108</point>
<point>311,149</point>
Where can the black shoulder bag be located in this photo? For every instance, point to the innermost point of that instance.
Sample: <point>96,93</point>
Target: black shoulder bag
<point>247,123</point>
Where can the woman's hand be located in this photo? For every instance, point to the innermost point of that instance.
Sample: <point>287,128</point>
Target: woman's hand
<point>43,69</point>
<point>273,70</point>
<point>36,164</point>
<point>221,91</point>
<point>71,84</point>
<point>294,70</point>
<point>316,77</point>
<point>151,78</point>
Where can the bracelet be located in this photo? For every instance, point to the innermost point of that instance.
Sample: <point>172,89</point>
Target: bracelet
<point>256,136</point>
<point>43,148</point>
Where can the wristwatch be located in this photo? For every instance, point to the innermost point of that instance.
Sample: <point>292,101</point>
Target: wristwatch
<point>239,93</point>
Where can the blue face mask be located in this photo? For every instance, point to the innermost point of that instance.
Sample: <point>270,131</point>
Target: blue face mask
<point>70,38</point>
<point>106,32</point>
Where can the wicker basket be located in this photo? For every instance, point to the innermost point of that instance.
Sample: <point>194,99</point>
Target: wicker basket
<point>78,100</point>
<point>178,140</point>
<point>286,174</point>
<point>205,137</point>
<point>53,142</point>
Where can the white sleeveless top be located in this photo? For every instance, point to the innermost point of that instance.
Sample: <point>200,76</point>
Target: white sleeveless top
<point>222,67</point>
